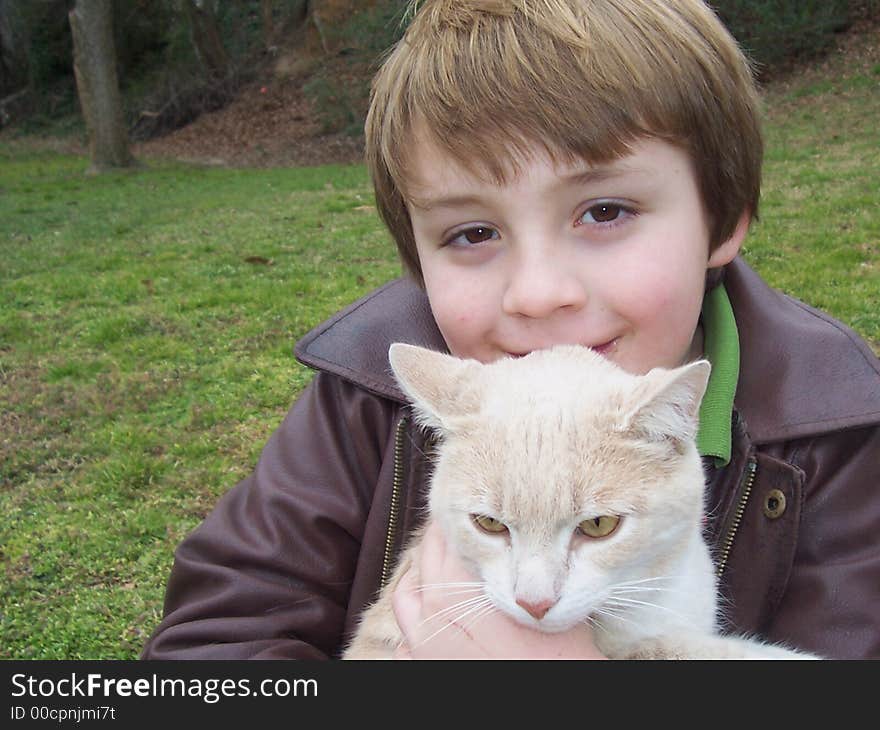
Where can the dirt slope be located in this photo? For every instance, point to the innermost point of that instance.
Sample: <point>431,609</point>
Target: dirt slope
<point>269,124</point>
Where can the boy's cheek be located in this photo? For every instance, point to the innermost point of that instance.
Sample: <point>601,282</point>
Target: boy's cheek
<point>462,337</point>
<point>465,333</point>
<point>670,290</point>
<point>456,301</point>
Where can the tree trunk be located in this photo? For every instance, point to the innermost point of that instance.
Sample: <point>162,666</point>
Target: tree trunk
<point>268,23</point>
<point>329,16</point>
<point>94,66</point>
<point>206,37</point>
<point>13,56</point>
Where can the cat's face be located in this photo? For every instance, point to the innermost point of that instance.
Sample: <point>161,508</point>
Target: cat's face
<point>554,516</point>
<point>562,481</point>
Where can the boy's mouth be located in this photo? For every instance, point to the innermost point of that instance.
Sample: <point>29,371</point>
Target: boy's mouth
<point>603,349</point>
<point>606,347</point>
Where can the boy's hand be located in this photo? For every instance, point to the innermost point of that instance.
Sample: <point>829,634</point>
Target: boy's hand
<point>424,622</point>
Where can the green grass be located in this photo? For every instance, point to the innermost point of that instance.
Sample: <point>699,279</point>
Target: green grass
<point>819,234</point>
<point>147,320</point>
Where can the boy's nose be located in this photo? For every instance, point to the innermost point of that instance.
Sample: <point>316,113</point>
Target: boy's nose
<point>538,289</point>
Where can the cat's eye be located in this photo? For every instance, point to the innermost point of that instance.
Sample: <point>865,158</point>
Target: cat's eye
<point>489,524</point>
<point>601,526</point>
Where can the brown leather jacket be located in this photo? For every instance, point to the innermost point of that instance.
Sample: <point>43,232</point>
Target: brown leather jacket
<point>286,561</point>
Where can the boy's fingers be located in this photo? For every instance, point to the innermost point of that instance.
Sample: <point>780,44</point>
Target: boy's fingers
<point>438,564</point>
<point>432,554</point>
<point>407,605</point>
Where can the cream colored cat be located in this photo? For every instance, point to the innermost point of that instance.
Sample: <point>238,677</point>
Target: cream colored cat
<point>574,492</point>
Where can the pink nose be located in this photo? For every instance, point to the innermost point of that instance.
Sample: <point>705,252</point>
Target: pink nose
<point>538,609</point>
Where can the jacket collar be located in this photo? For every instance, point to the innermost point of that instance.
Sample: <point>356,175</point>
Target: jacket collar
<point>354,342</point>
<point>802,373</point>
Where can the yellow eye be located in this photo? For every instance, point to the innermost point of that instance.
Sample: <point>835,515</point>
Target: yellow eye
<point>599,526</point>
<point>489,524</point>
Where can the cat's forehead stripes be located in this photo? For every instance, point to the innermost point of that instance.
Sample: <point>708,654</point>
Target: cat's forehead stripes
<point>548,470</point>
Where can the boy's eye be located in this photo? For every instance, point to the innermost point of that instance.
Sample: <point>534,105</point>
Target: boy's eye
<point>470,236</point>
<point>603,213</point>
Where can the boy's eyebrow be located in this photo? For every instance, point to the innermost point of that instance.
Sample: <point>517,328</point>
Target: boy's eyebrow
<point>586,176</point>
<point>600,173</point>
<point>445,201</point>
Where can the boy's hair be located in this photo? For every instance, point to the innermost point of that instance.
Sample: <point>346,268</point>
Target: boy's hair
<point>583,79</point>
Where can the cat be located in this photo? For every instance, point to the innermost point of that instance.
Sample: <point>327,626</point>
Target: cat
<point>574,491</point>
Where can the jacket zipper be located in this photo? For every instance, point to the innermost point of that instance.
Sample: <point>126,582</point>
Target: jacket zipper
<point>395,501</point>
<point>748,482</point>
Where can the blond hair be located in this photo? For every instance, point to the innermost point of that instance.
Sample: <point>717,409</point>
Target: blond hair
<point>489,79</point>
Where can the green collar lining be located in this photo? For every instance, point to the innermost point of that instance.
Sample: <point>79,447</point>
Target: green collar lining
<point>721,349</point>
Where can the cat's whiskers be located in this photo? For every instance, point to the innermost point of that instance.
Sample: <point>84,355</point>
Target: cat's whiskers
<point>467,604</point>
<point>638,586</point>
<point>604,611</point>
<point>593,623</point>
<point>479,605</point>
<point>644,589</point>
<point>485,611</point>
<point>465,592</point>
<point>618,602</point>
<point>628,583</point>
<point>466,586</point>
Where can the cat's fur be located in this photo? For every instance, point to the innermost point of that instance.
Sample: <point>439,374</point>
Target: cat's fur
<point>542,443</point>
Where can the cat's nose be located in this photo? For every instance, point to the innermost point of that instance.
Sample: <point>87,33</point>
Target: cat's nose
<point>537,609</point>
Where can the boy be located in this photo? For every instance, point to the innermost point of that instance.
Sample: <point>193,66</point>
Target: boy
<point>556,171</point>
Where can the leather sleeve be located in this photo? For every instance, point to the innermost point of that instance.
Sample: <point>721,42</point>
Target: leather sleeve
<point>267,574</point>
<point>832,602</point>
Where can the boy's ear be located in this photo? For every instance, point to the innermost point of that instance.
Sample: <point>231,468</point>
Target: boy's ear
<point>727,251</point>
<point>669,407</point>
<point>440,387</point>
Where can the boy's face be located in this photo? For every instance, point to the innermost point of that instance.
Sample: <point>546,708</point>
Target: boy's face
<point>613,257</point>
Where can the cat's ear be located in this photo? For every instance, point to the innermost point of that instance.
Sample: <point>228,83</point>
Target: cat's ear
<point>669,408</point>
<point>440,387</point>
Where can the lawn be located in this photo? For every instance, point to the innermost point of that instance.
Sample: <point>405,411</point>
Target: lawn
<point>147,321</point>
